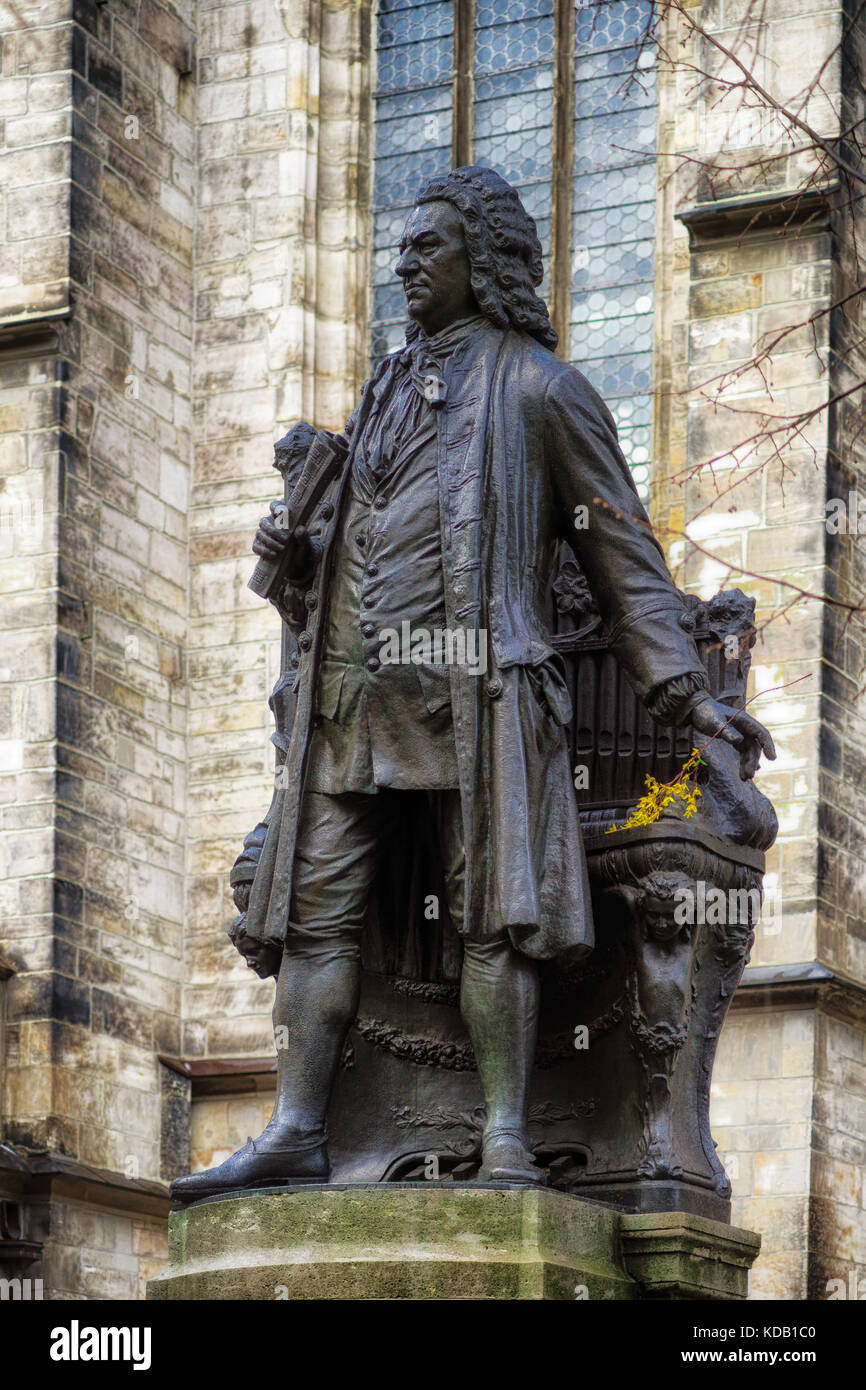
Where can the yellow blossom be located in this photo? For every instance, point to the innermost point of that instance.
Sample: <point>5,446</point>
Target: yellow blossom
<point>659,795</point>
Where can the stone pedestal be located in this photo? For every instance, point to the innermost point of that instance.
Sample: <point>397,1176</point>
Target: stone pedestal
<point>441,1241</point>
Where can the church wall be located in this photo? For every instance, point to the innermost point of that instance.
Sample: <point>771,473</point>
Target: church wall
<point>28,565</point>
<point>35,87</point>
<point>97,996</point>
<point>281,274</point>
<point>838,1200</point>
<point>761,1115</point>
<point>34,295</point>
<point>780,1108</point>
<point>99,1253</point>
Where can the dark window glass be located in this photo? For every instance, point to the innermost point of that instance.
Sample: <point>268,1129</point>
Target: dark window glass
<point>412,137</point>
<point>613,221</point>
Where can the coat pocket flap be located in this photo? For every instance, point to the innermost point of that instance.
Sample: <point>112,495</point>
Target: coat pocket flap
<point>435,683</point>
<point>330,689</point>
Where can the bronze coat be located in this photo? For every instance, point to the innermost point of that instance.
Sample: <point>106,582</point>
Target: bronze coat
<point>524,441</point>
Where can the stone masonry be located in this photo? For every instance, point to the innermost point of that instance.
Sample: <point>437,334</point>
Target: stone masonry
<point>790,1130</point>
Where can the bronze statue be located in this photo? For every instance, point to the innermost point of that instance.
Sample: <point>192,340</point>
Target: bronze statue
<point>419,592</point>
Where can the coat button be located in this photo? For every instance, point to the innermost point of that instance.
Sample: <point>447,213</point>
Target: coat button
<point>494,688</point>
<point>373,664</point>
<point>311,599</point>
<point>328,511</point>
<point>305,641</point>
<point>369,629</point>
<point>373,569</point>
<point>380,502</point>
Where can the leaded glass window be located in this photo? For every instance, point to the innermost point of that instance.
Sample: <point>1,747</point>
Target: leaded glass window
<point>478,80</point>
<point>513,101</point>
<point>413,133</point>
<point>613,225</point>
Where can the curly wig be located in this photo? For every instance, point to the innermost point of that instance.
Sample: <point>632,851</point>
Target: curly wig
<point>503,246</point>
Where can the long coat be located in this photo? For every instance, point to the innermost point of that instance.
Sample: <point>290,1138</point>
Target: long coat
<point>525,444</point>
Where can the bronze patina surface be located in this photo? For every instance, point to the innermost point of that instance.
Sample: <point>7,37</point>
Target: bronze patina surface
<point>475,608</point>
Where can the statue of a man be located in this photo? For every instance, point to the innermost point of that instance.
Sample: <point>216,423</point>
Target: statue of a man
<point>471,454</point>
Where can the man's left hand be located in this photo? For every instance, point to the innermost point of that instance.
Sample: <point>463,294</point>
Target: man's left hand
<point>749,737</point>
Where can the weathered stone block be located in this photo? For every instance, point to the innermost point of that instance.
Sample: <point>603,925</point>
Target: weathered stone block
<point>442,1242</point>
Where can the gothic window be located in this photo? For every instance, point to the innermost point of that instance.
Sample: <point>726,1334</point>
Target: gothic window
<point>513,101</point>
<point>613,199</point>
<point>413,134</point>
<point>559,98</point>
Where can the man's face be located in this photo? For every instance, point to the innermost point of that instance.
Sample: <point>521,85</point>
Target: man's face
<point>434,267</point>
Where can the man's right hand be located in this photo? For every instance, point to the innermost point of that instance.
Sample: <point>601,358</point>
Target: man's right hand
<point>273,539</point>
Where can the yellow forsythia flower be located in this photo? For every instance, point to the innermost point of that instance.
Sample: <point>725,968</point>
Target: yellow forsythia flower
<point>659,795</point>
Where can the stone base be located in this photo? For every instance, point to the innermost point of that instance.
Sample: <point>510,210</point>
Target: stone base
<point>429,1241</point>
<point>676,1255</point>
<point>659,1195</point>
